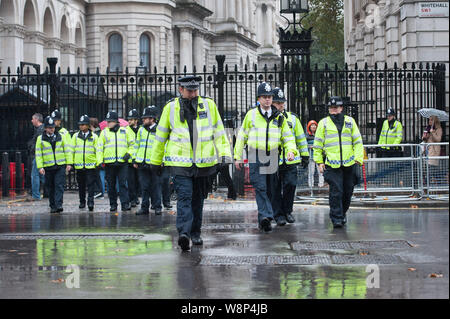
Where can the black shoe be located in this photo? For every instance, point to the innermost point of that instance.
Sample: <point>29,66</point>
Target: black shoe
<point>265,225</point>
<point>142,212</point>
<point>232,196</point>
<point>133,204</point>
<point>158,211</point>
<point>281,221</point>
<point>113,208</point>
<point>338,225</point>
<point>126,207</point>
<point>137,202</point>
<point>83,205</point>
<point>167,206</point>
<point>197,241</point>
<point>183,242</point>
<point>53,211</point>
<point>59,209</point>
<point>91,208</point>
<point>290,219</point>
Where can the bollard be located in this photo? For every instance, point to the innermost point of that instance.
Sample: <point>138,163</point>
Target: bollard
<point>19,176</point>
<point>5,175</point>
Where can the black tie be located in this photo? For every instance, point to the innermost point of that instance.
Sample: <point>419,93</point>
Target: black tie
<point>265,115</point>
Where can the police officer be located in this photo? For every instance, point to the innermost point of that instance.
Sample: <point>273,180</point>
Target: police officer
<point>286,179</point>
<point>264,130</point>
<point>115,148</point>
<point>53,159</point>
<point>391,133</point>
<point>133,179</point>
<point>57,117</point>
<point>150,181</point>
<point>338,148</point>
<point>84,144</point>
<point>196,141</point>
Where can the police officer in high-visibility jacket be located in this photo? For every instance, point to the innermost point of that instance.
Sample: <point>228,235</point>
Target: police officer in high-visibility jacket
<point>149,179</point>
<point>391,133</point>
<point>114,148</point>
<point>338,148</point>
<point>286,181</point>
<point>264,130</point>
<point>53,159</point>
<point>133,179</point>
<point>191,137</point>
<point>84,143</point>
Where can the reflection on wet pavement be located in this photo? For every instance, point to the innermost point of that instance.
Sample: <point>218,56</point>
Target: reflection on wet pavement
<point>236,260</point>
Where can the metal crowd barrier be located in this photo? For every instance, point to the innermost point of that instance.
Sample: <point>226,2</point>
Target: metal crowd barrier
<point>410,174</point>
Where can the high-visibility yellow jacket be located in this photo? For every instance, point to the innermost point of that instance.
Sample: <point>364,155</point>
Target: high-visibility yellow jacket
<point>264,134</point>
<point>391,136</point>
<point>338,149</point>
<point>112,146</point>
<point>144,144</point>
<point>84,150</point>
<point>210,141</point>
<point>300,139</point>
<point>46,156</point>
<point>65,135</point>
<point>134,135</point>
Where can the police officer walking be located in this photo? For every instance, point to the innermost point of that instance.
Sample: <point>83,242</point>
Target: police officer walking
<point>150,181</point>
<point>264,130</point>
<point>115,148</point>
<point>84,144</point>
<point>133,179</point>
<point>53,159</point>
<point>195,136</point>
<point>391,133</point>
<point>338,148</point>
<point>286,179</point>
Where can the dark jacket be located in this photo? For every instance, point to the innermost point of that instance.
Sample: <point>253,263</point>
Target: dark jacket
<point>32,143</point>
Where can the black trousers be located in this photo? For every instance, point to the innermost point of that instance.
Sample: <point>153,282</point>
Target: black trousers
<point>225,174</point>
<point>341,181</point>
<point>87,178</point>
<point>55,181</point>
<point>113,172</point>
<point>151,189</point>
<point>283,196</point>
<point>133,182</point>
<point>165,186</point>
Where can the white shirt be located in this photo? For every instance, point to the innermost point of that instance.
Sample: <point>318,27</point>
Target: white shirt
<point>269,111</point>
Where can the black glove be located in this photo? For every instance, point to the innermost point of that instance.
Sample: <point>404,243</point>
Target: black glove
<point>126,157</point>
<point>305,161</point>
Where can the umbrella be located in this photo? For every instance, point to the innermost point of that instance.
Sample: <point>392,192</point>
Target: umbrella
<point>103,124</point>
<point>427,113</point>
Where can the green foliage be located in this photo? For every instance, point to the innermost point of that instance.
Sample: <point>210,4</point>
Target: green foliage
<point>139,100</point>
<point>326,17</point>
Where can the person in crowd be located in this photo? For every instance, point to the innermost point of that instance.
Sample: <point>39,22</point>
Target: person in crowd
<point>36,178</point>
<point>53,159</point>
<point>312,166</point>
<point>100,171</point>
<point>133,179</point>
<point>433,134</point>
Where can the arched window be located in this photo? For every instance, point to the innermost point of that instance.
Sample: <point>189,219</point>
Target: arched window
<point>144,51</point>
<point>115,52</point>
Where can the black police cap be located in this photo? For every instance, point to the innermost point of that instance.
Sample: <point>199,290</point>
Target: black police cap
<point>190,82</point>
<point>84,119</point>
<point>335,101</point>
<point>133,114</point>
<point>150,111</point>
<point>278,95</point>
<point>112,116</point>
<point>49,122</point>
<point>391,111</point>
<point>264,89</point>
<point>56,114</point>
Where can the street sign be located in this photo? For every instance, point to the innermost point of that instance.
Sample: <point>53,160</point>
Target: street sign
<point>432,9</point>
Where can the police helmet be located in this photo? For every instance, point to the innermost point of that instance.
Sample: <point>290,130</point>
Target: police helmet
<point>112,116</point>
<point>278,95</point>
<point>264,89</point>
<point>133,114</point>
<point>84,119</point>
<point>49,122</point>
<point>56,115</point>
<point>391,111</point>
<point>150,111</point>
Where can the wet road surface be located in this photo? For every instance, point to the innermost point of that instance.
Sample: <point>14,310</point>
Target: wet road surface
<point>307,259</point>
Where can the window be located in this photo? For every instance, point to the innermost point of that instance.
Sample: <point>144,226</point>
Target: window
<point>115,52</point>
<point>144,51</point>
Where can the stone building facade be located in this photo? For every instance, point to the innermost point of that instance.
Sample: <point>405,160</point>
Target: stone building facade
<point>153,33</point>
<point>379,31</point>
